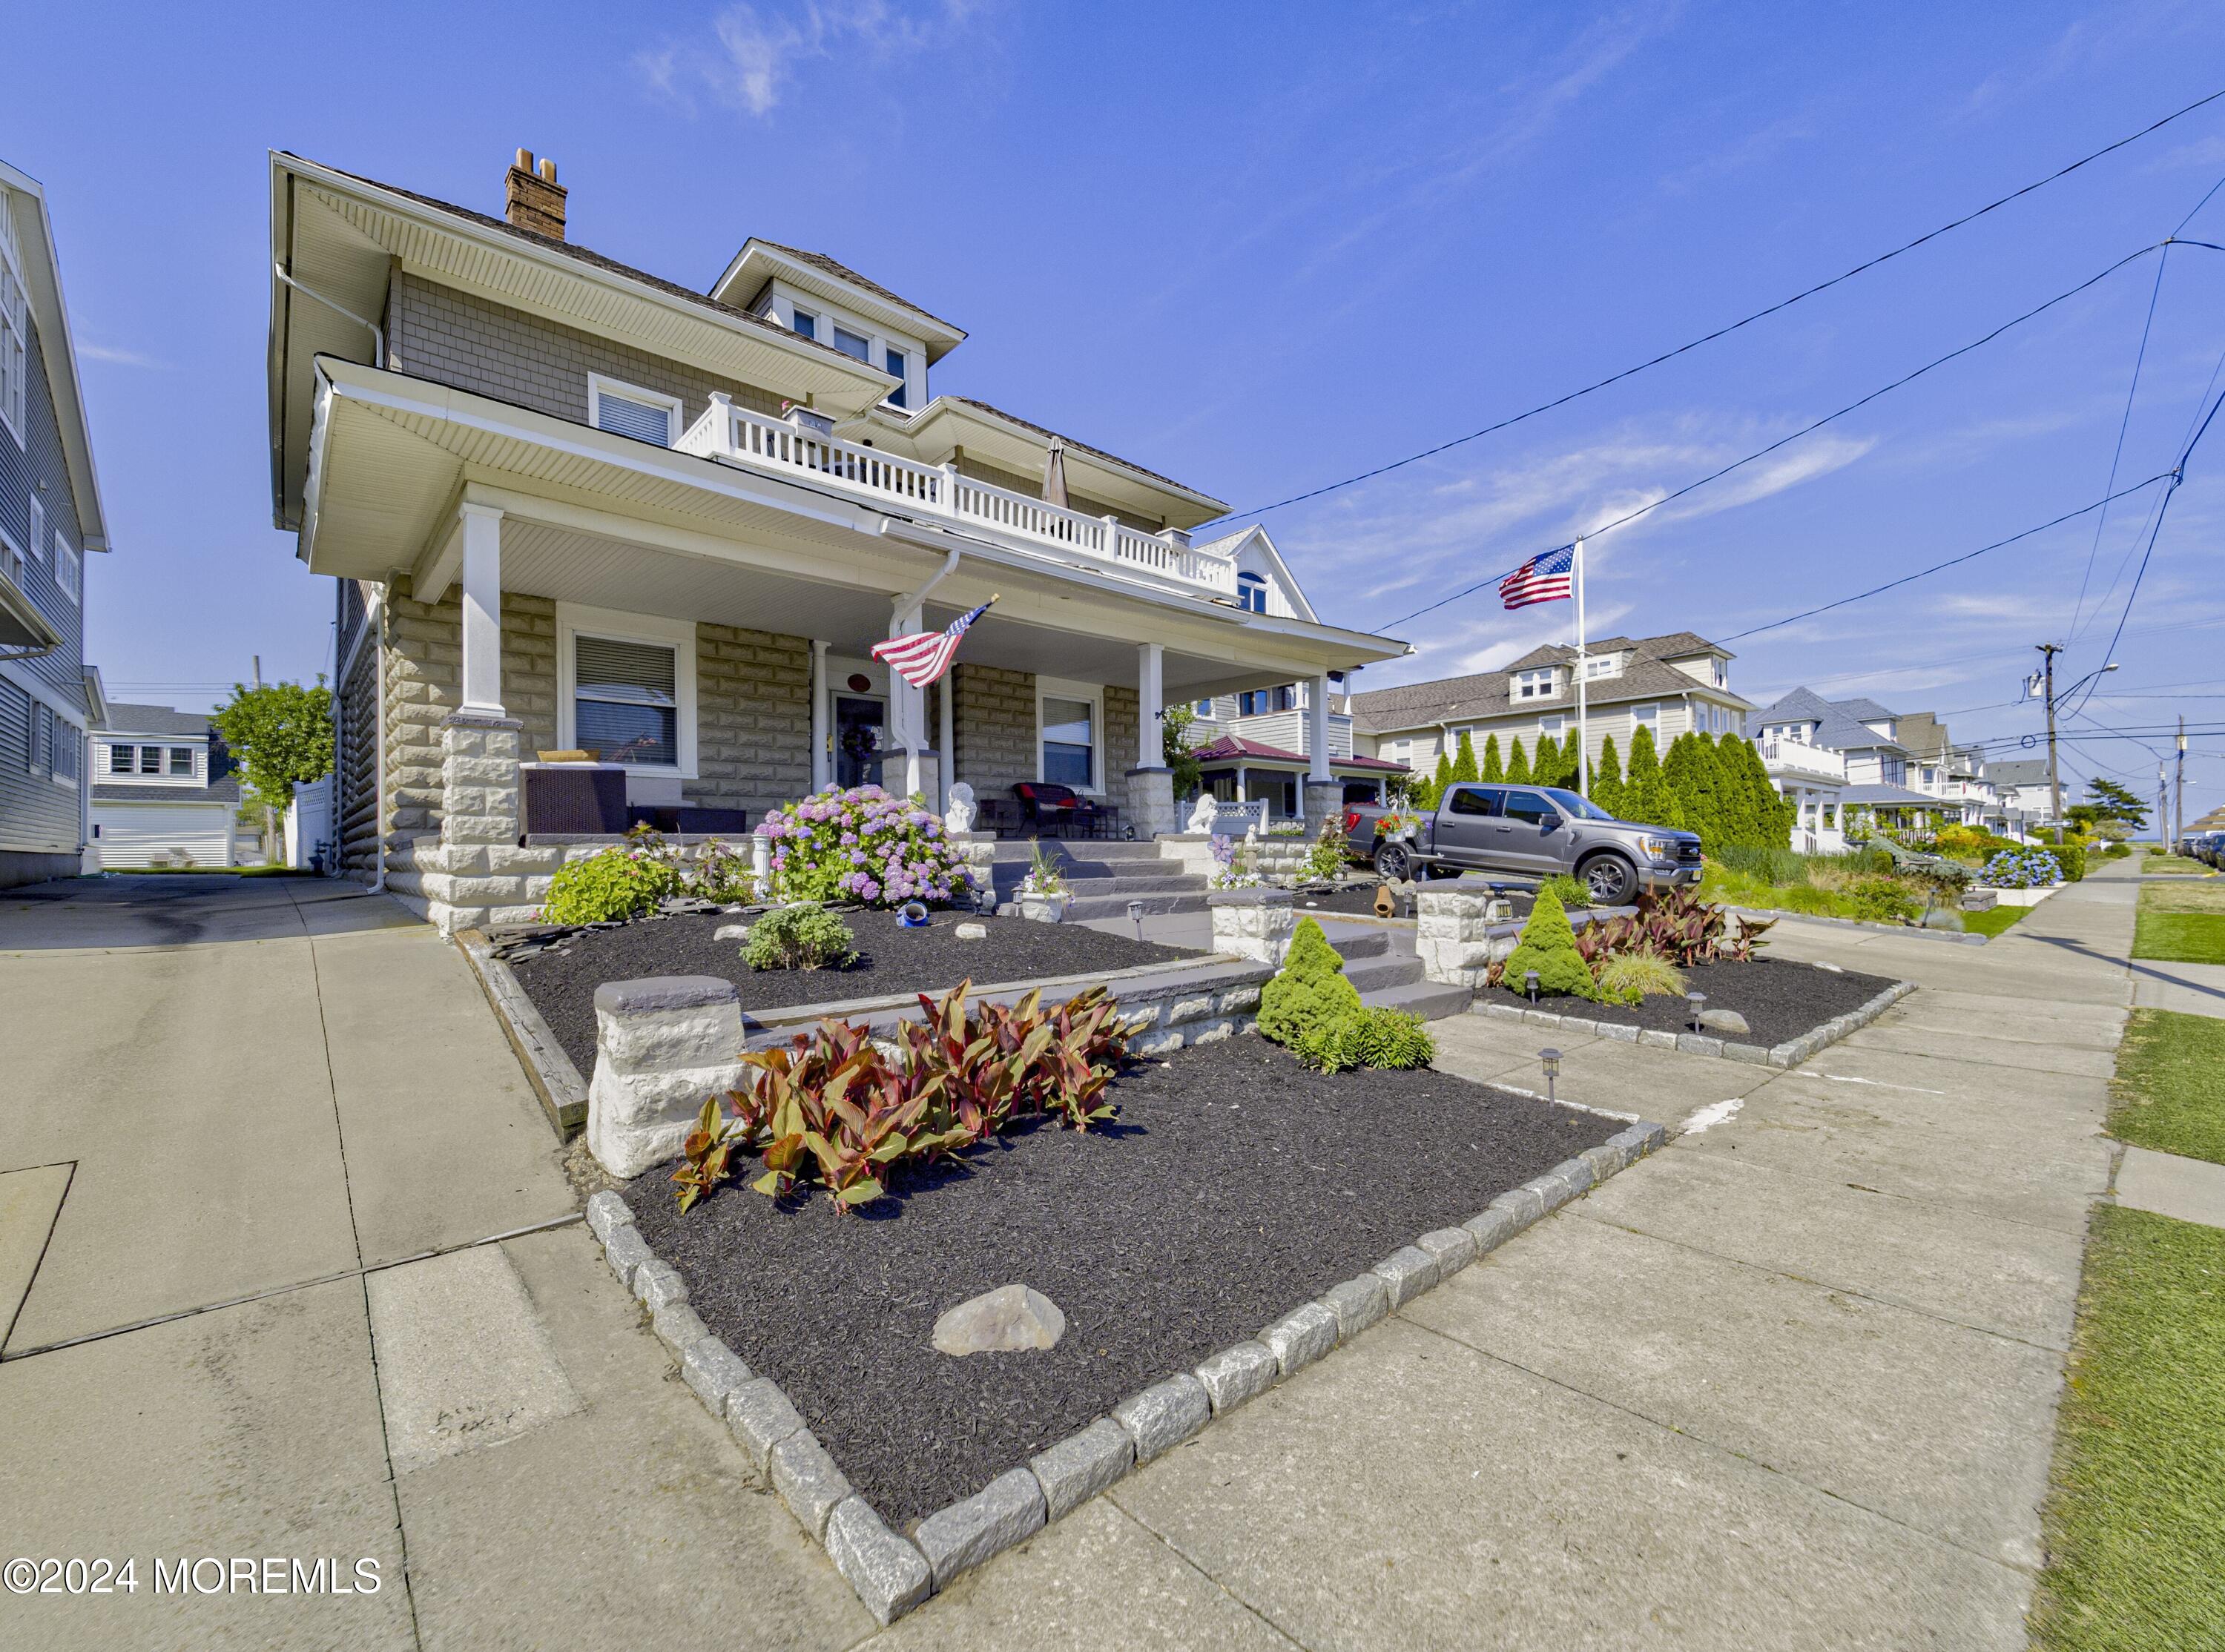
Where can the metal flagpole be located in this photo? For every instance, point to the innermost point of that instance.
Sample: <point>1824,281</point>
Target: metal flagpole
<point>1583,729</point>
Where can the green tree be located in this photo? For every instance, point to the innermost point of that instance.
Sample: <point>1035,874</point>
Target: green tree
<point>1176,751</point>
<point>1694,801</point>
<point>1517,764</point>
<point>1444,775</point>
<point>1494,766</point>
<point>2110,801</point>
<point>279,734</point>
<point>1646,796</point>
<point>1464,760</point>
<point>1606,778</point>
<point>1548,945</point>
<point>1735,804</point>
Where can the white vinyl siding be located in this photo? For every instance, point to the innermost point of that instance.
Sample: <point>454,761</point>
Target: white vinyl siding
<point>15,326</point>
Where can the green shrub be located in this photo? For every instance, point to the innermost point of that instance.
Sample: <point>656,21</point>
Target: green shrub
<point>799,938</point>
<point>1309,993</point>
<point>1631,976</point>
<point>1375,1037</point>
<point>1325,861</point>
<point>2071,857</point>
<point>1568,889</point>
<point>1773,865</point>
<point>2118,851</point>
<point>1880,899</point>
<point>1548,945</point>
<point>615,884</point>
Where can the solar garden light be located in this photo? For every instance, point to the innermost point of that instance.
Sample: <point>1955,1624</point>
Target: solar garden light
<point>1698,1000</point>
<point>1136,917</point>
<point>1552,1057</point>
<point>1530,983</point>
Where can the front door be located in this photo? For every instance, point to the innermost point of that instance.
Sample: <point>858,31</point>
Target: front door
<point>860,738</point>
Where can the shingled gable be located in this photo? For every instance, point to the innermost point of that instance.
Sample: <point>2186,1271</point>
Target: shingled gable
<point>1453,699</point>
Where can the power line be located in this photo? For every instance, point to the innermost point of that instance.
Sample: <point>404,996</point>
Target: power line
<point>2125,423</point>
<point>1746,322</point>
<point>1907,378</point>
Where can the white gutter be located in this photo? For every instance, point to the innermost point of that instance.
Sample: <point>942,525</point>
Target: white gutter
<point>378,337</point>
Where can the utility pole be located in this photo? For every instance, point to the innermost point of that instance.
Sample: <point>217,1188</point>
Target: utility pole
<point>2162,802</point>
<point>2048,650</point>
<point>2178,826</point>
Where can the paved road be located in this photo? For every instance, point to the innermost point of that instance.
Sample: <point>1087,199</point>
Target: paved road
<point>1790,1383</point>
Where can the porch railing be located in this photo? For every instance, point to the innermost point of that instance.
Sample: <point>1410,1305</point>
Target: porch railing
<point>1803,759</point>
<point>804,445</point>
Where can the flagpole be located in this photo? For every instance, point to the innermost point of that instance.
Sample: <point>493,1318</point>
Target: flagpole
<point>1584,696</point>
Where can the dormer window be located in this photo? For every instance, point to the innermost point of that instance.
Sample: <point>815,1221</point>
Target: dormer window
<point>899,370</point>
<point>807,323</point>
<point>1251,593</point>
<point>1536,684</point>
<point>851,343</point>
<point>1602,665</point>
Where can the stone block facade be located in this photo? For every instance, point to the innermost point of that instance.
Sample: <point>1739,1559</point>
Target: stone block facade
<point>1255,923</point>
<point>753,719</point>
<point>1459,935</point>
<point>995,727</point>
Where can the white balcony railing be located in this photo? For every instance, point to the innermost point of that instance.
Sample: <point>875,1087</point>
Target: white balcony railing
<point>803,445</point>
<point>1796,756</point>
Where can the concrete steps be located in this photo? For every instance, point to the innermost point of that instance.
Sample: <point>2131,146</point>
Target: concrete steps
<point>1103,877</point>
<point>1384,966</point>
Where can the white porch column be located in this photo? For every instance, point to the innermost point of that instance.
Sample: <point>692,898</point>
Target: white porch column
<point>1151,752</point>
<point>946,742</point>
<point>481,601</point>
<point>822,720</point>
<point>1317,731</point>
<point>907,713</point>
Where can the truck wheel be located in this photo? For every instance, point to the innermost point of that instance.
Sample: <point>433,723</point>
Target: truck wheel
<point>1612,880</point>
<point>1393,863</point>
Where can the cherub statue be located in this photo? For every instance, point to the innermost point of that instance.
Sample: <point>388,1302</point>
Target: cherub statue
<point>958,817</point>
<point>1200,817</point>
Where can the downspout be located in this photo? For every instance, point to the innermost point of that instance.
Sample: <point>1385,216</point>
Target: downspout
<point>378,757</point>
<point>378,337</point>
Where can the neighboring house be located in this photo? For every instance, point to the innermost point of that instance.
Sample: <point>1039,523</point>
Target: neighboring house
<point>1956,777</point>
<point>1672,685</point>
<point>163,791</point>
<point>1257,744</point>
<point>50,516</point>
<point>2021,784</point>
<point>570,505</point>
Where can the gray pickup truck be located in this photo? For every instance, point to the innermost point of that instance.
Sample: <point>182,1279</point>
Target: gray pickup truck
<point>1529,831</point>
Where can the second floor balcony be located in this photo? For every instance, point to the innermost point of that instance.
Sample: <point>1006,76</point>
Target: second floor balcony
<point>803,445</point>
<point>1783,756</point>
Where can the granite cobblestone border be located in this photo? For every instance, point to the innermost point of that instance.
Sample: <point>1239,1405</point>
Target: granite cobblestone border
<point>1789,1054</point>
<point>893,1572</point>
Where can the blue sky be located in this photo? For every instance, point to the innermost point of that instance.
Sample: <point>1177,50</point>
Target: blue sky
<point>1260,247</point>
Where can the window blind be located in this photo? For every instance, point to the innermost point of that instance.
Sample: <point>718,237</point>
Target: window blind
<point>626,702</point>
<point>642,421</point>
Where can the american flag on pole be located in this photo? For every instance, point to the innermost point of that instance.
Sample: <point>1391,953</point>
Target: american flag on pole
<point>923,656</point>
<point>1542,578</point>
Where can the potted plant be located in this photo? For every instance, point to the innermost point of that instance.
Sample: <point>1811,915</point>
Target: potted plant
<point>1043,895</point>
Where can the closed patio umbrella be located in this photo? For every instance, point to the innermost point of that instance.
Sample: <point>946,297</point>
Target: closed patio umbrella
<point>1055,476</point>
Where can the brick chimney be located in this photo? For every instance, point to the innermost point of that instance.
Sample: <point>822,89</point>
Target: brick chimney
<point>535,200</point>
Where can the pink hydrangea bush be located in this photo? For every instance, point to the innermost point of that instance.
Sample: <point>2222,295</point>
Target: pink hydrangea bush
<point>862,843</point>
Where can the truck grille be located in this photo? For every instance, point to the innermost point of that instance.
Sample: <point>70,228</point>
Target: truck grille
<point>1687,852</point>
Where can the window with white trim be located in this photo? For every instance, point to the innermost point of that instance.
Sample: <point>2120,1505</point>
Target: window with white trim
<point>1070,734</point>
<point>68,743</point>
<point>38,531</point>
<point>806,323</point>
<point>626,701</point>
<point>898,370</point>
<point>69,568</point>
<point>122,759</point>
<point>1251,593</point>
<point>1647,717</point>
<point>851,343</point>
<point>1536,684</point>
<point>629,410</point>
<point>1602,665</point>
<point>15,326</point>
<point>1551,724</point>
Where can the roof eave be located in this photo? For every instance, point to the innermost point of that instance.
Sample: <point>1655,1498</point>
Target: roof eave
<point>759,261</point>
<point>43,278</point>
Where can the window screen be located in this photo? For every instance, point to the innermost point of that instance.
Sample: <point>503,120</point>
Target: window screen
<point>150,760</point>
<point>121,758</point>
<point>626,704</point>
<point>625,415</point>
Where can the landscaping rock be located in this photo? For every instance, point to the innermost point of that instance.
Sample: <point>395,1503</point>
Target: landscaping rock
<point>1453,1247</point>
<point>1357,1303</point>
<point>1523,1205</point>
<point>1640,1138</point>
<point>806,1479</point>
<point>607,1210</point>
<point>1699,1044</point>
<point>890,1575</point>
<point>627,1253</point>
<point>1008,1319</point>
<point>1605,1159</point>
<point>714,1371</point>
<point>1081,1465</point>
<point>1299,1339</point>
<point>759,1417</point>
<point>953,1540</point>
<point>1725,1021</point>
<point>1237,1374</point>
<point>678,1326</point>
<point>1492,1229</point>
<point>972,931</point>
<point>1165,1414</point>
<point>1407,1271</point>
<point>658,1284</point>
<point>1617,1031</point>
<point>731,931</point>
<point>1655,1038</point>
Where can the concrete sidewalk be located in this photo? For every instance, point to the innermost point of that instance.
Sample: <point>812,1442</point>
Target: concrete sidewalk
<point>1789,1383</point>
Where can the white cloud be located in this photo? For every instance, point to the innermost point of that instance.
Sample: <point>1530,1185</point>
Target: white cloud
<point>758,51</point>
<point>119,357</point>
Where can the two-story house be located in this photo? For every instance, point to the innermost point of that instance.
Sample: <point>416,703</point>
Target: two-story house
<point>1671,684</point>
<point>50,516</point>
<point>1955,775</point>
<point>573,507</point>
<point>1255,745</point>
<point>2021,784</point>
<point>163,791</point>
<point>1877,770</point>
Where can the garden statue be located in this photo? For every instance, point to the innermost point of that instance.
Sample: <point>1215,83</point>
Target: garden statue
<point>1200,817</point>
<point>958,817</point>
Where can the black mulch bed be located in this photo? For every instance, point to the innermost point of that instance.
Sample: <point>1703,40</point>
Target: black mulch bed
<point>1235,1186</point>
<point>561,982</point>
<point>1780,1000</point>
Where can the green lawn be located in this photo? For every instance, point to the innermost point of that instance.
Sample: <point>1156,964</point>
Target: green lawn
<point>2135,1518</point>
<point>1994,922</point>
<point>2181,923</point>
<point>2169,1091</point>
<point>2174,864</point>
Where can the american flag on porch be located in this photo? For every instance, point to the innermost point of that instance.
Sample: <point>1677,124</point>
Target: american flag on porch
<point>1542,578</point>
<point>923,656</point>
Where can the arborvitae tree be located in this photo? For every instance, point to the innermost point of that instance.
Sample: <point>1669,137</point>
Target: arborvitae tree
<point>1646,797</point>
<point>1564,770</point>
<point>1444,775</point>
<point>1734,822</point>
<point>1773,814</point>
<point>1494,766</point>
<point>1464,761</point>
<point>1606,778</point>
<point>1546,761</point>
<point>1517,764</point>
<point>1548,945</point>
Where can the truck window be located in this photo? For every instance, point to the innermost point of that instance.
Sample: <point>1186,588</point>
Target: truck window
<point>1469,799</point>
<point>1531,808</point>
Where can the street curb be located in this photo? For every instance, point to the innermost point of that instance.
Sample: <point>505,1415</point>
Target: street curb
<point>1790,1053</point>
<point>1959,937</point>
<point>891,1572</point>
